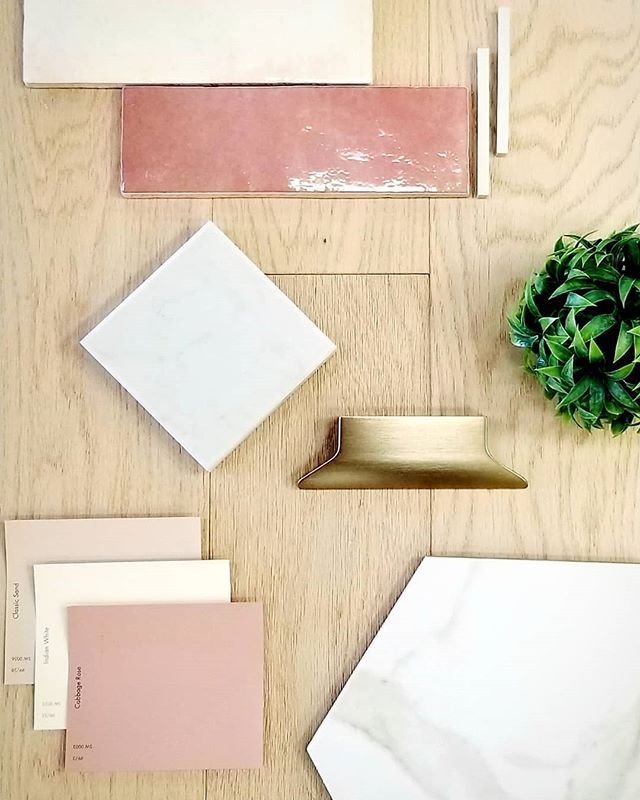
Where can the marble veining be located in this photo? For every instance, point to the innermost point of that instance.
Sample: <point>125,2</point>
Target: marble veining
<point>494,680</point>
<point>209,346</point>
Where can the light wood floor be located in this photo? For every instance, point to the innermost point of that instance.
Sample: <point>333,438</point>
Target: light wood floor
<point>415,294</point>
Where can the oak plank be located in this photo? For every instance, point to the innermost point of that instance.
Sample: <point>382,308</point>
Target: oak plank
<point>327,565</point>
<point>73,443</point>
<point>573,166</point>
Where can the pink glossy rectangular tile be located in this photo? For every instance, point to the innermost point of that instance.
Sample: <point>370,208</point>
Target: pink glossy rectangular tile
<point>320,141</point>
<point>165,687</point>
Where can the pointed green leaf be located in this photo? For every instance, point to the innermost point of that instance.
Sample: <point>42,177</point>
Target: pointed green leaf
<point>576,393</point>
<point>622,373</point>
<point>570,322</point>
<point>552,337</point>
<point>552,268</point>
<point>596,399</point>
<point>546,322</point>
<point>569,286</point>
<point>612,407</point>
<point>561,352</point>
<point>600,295</point>
<point>599,258</point>
<point>522,341</point>
<point>576,272</point>
<point>528,298</point>
<point>624,343</point>
<point>595,353</point>
<point>576,259</point>
<point>552,372</point>
<point>541,283</point>
<point>555,386</point>
<point>597,326</point>
<point>520,335</point>
<point>633,252</point>
<point>619,426</point>
<point>625,285</point>
<point>567,370</point>
<point>587,418</point>
<point>579,345</point>
<point>580,238</point>
<point>620,394</point>
<point>577,301</point>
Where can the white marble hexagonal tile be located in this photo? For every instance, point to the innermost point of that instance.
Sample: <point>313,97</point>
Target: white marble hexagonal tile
<point>494,680</point>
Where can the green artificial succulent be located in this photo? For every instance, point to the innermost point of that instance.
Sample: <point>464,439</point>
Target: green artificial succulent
<point>579,323</point>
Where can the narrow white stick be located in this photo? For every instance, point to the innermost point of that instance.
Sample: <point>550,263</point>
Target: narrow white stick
<point>504,78</point>
<point>483,180</point>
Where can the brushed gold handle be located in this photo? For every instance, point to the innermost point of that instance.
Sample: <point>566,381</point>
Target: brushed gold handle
<point>412,453</point>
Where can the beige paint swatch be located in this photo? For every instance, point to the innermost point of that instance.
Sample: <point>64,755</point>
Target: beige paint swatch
<point>165,687</point>
<point>30,542</point>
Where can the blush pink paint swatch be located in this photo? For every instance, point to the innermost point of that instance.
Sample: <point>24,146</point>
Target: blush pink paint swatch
<point>296,140</point>
<point>165,687</point>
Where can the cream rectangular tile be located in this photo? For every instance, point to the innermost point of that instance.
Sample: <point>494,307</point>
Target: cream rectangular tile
<point>88,43</point>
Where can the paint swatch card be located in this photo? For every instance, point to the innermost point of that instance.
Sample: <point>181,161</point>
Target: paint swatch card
<point>59,586</point>
<point>209,346</point>
<point>165,687</point>
<point>295,140</point>
<point>93,43</point>
<point>30,542</point>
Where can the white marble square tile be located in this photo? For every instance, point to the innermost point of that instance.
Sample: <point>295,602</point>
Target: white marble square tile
<point>494,680</point>
<point>209,346</point>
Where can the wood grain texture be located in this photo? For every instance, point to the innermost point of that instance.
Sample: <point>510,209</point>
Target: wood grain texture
<point>573,166</point>
<point>73,443</point>
<point>328,236</point>
<point>327,565</point>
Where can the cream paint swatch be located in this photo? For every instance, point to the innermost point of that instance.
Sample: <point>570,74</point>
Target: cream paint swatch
<point>165,687</point>
<point>97,43</point>
<point>59,586</point>
<point>209,346</point>
<point>30,542</point>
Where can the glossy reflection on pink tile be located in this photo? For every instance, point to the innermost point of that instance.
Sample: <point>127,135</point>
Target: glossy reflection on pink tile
<point>333,140</point>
